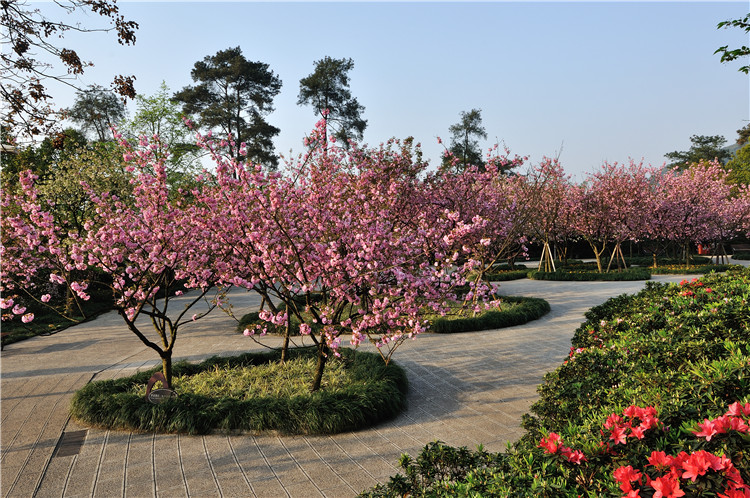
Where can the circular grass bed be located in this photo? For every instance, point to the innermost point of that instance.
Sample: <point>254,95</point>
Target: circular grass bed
<point>520,310</point>
<point>589,275</point>
<point>252,392</point>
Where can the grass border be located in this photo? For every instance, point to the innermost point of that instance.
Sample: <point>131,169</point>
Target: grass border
<point>696,270</point>
<point>530,308</point>
<point>579,276</point>
<point>379,394</point>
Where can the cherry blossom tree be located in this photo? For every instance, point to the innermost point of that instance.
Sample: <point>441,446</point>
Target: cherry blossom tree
<point>348,241</point>
<point>612,206</point>
<point>696,206</point>
<point>148,251</point>
<point>548,186</point>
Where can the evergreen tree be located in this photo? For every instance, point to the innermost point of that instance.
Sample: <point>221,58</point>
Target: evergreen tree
<point>327,91</point>
<point>464,146</point>
<point>232,96</point>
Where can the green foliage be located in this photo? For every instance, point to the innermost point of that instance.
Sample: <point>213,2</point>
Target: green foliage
<point>702,148</point>
<point>649,260</point>
<point>585,274</point>
<point>683,349</point>
<point>739,167</point>
<point>688,270</point>
<point>327,88</point>
<point>225,394</point>
<point>96,110</point>
<point>523,310</point>
<point>464,145</point>
<point>41,159</point>
<point>231,96</point>
<point>741,255</point>
<point>728,55</point>
<point>158,114</point>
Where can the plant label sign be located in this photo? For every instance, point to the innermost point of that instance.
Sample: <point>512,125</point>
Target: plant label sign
<point>157,396</point>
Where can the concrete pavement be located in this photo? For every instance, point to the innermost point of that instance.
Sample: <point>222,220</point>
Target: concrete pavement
<point>465,389</point>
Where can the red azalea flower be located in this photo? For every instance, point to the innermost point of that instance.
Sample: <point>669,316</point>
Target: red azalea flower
<point>551,442</point>
<point>738,410</point>
<point>666,487</point>
<point>660,460</point>
<point>576,457</point>
<point>707,429</point>
<point>618,435</point>
<point>697,464</point>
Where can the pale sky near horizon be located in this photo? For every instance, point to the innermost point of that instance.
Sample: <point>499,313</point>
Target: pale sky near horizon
<point>599,80</point>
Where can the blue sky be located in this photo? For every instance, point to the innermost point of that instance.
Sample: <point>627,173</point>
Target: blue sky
<point>601,80</point>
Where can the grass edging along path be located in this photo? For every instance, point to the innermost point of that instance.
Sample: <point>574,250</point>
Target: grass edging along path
<point>525,310</point>
<point>688,270</point>
<point>585,275</point>
<point>372,392</point>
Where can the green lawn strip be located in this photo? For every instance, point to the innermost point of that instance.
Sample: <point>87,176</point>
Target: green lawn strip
<point>242,394</point>
<point>572,274</point>
<point>520,311</point>
<point>688,270</point>
<point>682,348</point>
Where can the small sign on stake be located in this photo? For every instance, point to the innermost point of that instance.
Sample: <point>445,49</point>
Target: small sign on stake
<point>159,395</point>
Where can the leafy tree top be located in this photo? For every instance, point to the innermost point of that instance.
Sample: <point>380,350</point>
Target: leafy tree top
<point>703,148</point>
<point>232,97</point>
<point>464,147</point>
<point>326,89</point>
<point>97,110</point>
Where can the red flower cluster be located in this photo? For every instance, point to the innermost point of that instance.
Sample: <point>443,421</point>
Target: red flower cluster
<point>683,466</point>
<point>553,444</point>
<point>636,421</point>
<point>735,419</point>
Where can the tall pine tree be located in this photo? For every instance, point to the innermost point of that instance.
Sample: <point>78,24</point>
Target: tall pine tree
<point>233,96</point>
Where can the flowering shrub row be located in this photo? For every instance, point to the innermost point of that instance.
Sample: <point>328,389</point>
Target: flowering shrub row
<point>653,400</point>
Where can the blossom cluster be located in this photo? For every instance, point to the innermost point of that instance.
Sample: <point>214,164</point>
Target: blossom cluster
<point>553,444</point>
<point>633,423</point>
<point>735,419</point>
<point>673,473</point>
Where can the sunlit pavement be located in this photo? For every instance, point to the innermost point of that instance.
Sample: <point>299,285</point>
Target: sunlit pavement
<point>465,389</point>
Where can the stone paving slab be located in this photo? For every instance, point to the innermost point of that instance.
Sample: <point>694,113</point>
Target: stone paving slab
<point>465,390</point>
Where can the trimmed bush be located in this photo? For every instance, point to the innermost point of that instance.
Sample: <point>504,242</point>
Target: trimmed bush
<point>371,393</point>
<point>525,309</point>
<point>586,275</point>
<point>741,255</point>
<point>656,384</point>
<point>649,260</point>
<point>688,270</point>
<point>504,276</point>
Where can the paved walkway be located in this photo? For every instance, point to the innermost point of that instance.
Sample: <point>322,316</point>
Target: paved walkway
<point>464,390</point>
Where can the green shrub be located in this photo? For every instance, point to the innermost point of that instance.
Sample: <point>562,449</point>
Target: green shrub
<point>371,392</point>
<point>524,310</point>
<point>587,275</point>
<point>741,255</point>
<point>683,349</point>
<point>649,260</point>
<point>688,270</point>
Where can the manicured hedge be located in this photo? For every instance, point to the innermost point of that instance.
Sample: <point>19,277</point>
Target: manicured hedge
<point>674,358</point>
<point>526,309</point>
<point>375,392</point>
<point>690,270</point>
<point>741,255</point>
<point>583,275</point>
